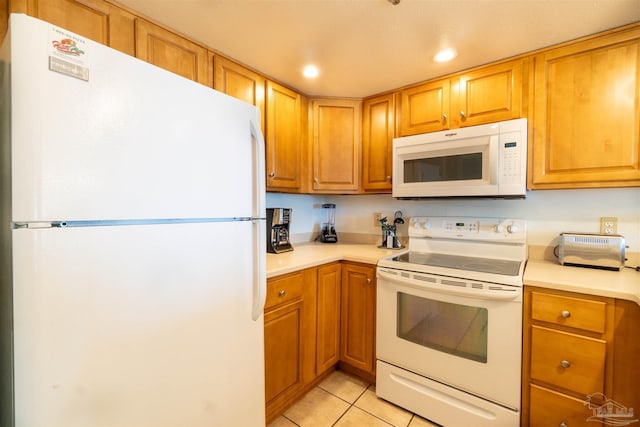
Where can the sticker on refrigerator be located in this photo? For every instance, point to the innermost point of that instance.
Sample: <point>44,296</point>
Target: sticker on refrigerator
<point>68,54</point>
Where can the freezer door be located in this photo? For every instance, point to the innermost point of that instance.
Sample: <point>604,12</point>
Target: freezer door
<point>138,326</point>
<point>132,142</point>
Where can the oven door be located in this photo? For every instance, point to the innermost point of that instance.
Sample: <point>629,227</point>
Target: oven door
<point>467,338</point>
<point>462,167</point>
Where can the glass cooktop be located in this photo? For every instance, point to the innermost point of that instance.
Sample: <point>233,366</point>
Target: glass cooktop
<point>482,265</point>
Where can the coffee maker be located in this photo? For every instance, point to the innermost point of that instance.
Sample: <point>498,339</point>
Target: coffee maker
<point>328,230</point>
<point>278,220</point>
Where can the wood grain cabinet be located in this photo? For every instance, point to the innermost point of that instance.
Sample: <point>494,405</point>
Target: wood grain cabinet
<point>172,52</point>
<point>289,338</point>
<point>586,114</point>
<point>483,95</point>
<point>378,130</point>
<point>283,138</point>
<point>568,344</point>
<point>95,19</point>
<point>241,83</point>
<point>328,333</point>
<point>358,301</point>
<point>337,140</point>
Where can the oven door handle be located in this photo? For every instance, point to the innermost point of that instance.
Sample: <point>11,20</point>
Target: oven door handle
<point>449,285</point>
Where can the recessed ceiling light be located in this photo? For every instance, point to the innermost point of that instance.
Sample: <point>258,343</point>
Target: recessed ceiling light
<point>310,71</point>
<point>445,55</point>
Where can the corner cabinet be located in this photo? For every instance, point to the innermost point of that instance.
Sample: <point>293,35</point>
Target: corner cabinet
<point>328,325</point>
<point>357,334</point>
<point>283,138</point>
<point>586,114</point>
<point>337,139</point>
<point>484,95</point>
<point>378,130</point>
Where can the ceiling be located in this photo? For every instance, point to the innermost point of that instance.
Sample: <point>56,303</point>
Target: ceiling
<point>364,47</point>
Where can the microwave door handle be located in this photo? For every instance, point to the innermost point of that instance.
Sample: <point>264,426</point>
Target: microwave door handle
<point>494,159</point>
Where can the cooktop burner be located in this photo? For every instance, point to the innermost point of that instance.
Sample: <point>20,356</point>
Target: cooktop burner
<point>482,265</point>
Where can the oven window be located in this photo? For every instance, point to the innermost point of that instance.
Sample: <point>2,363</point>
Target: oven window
<point>455,329</point>
<point>446,168</point>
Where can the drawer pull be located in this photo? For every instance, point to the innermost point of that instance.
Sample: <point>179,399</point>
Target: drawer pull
<point>282,293</point>
<point>565,364</point>
<point>566,314</point>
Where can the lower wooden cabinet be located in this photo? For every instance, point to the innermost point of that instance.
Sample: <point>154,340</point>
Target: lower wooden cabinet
<point>328,328</point>
<point>315,319</point>
<point>289,338</point>
<point>568,357</point>
<point>357,332</point>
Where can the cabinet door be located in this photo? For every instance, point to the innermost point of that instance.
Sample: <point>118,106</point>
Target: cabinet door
<point>586,114</point>
<point>337,130</point>
<point>425,108</point>
<point>357,346</point>
<point>377,143</point>
<point>283,350</point>
<point>328,335</point>
<point>239,82</point>
<point>168,50</point>
<point>95,19</point>
<point>489,94</point>
<point>283,138</point>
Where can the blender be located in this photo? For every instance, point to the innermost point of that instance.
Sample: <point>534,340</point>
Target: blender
<point>328,231</point>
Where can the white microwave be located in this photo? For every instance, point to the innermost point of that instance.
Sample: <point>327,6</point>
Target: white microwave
<point>477,161</point>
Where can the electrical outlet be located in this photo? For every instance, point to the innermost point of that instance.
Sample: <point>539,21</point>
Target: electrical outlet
<point>608,225</point>
<point>377,216</point>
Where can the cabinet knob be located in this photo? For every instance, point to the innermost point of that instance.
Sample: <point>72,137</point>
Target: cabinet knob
<point>272,174</point>
<point>463,114</point>
<point>368,281</point>
<point>565,363</point>
<point>444,117</point>
<point>563,424</point>
<point>282,292</point>
<point>566,314</point>
<point>388,178</point>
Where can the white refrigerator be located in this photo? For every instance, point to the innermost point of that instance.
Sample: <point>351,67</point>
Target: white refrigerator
<point>133,241</point>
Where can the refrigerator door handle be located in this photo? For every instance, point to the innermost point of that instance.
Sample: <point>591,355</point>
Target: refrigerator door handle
<point>259,231</point>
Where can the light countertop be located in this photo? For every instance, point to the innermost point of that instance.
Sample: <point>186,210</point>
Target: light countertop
<point>624,284</point>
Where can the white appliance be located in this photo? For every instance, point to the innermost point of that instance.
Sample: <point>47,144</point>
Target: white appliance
<point>478,161</point>
<point>133,236</point>
<point>449,321</point>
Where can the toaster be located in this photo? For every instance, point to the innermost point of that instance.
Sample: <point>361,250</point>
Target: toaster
<point>592,250</point>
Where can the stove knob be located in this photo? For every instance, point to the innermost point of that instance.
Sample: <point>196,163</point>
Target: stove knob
<point>512,228</point>
<point>499,228</point>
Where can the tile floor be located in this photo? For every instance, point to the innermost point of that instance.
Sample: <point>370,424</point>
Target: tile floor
<point>342,400</point>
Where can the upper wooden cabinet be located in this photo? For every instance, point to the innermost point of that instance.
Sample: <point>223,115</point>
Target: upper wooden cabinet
<point>283,138</point>
<point>337,127</point>
<point>239,82</point>
<point>484,95</point>
<point>425,108</point>
<point>378,129</point>
<point>94,19</point>
<point>586,114</point>
<point>172,52</point>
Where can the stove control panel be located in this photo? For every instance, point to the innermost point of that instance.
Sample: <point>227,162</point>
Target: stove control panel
<point>467,228</point>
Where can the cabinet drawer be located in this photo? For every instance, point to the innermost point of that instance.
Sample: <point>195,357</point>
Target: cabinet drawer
<point>578,313</point>
<point>566,360</point>
<point>549,408</point>
<point>283,289</point>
